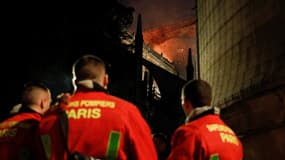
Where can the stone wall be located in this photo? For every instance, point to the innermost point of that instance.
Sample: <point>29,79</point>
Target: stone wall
<point>242,55</point>
<point>241,43</point>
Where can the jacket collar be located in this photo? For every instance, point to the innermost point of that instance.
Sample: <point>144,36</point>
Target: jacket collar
<point>201,111</point>
<point>90,85</point>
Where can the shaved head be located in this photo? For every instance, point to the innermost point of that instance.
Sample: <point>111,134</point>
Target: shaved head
<point>198,92</point>
<point>37,97</point>
<point>89,67</point>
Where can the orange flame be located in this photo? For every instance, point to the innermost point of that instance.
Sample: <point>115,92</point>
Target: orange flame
<point>173,41</point>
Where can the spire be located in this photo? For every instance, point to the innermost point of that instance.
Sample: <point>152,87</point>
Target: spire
<point>190,68</point>
<point>139,48</point>
<point>139,35</point>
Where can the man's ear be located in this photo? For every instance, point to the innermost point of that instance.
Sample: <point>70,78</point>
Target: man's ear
<point>42,104</point>
<point>187,106</point>
<point>106,81</point>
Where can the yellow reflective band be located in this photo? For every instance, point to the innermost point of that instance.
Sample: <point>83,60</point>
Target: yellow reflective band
<point>113,145</point>
<point>214,157</point>
<point>47,145</point>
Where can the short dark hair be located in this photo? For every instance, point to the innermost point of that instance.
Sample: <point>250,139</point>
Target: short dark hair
<point>160,135</point>
<point>28,89</point>
<point>198,92</point>
<point>83,67</point>
<point>29,85</point>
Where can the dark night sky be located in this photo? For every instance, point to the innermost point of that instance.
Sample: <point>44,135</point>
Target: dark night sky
<point>156,13</point>
<point>18,49</point>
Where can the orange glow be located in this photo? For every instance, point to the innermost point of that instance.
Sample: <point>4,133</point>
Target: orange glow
<point>157,48</point>
<point>173,42</point>
<point>178,29</point>
<point>162,51</point>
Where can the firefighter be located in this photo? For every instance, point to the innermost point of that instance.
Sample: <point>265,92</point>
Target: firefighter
<point>204,136</point>
<point>161,143</point>
<point>100,125</point>
<point>18,132</point>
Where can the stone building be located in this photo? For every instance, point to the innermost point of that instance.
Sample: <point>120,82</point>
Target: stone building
<point>241,45</point>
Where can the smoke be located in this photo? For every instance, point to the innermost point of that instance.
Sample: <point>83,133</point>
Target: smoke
<point>173,42</point>
<point>168,27</point>
<point>156,13</point>
<point>156,36</point>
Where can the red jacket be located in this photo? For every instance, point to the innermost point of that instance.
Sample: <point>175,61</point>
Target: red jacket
<point>101,125</point>
<point>17,136</point>
<point>205,138</point>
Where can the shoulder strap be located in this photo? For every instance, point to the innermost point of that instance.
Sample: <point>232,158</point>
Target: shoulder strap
<point>63,120</point>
